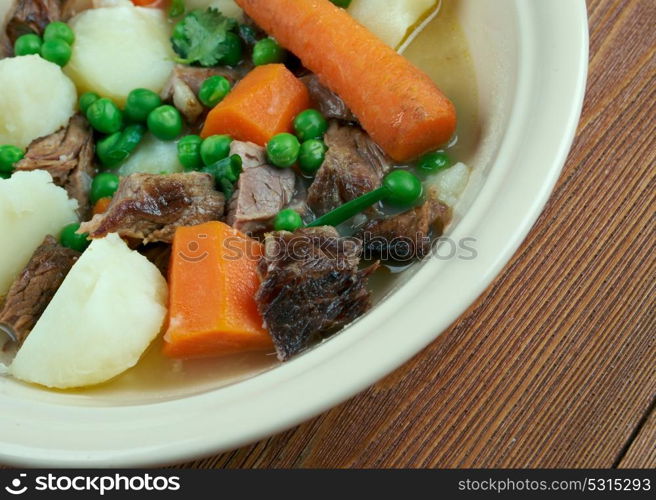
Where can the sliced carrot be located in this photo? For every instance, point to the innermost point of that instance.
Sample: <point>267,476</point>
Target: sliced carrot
<point>102,205</point>
<point>260,106</point>
<point>396,103</point>
<point>212,285</point>
<point>149,3</point>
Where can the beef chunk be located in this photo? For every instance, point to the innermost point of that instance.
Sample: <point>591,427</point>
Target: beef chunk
<point>262,190</point>
<point>149,207</point>
<point>354,165</point>
<point>31,16</point>
<point>159,254</point>
<point>310,286</point>
<point>329,103</point>
<point>406,236</point>
<point>68,156</point>
<point>32,291</point>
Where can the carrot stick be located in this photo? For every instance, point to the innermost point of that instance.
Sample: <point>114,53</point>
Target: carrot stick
<point>262,105</point>
<point>396,103</point>
<point>212,284</point>
<point>102,205</point>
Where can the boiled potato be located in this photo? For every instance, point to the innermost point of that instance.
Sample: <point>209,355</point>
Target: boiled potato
<point>228,7</point>
<point>118,49</point>
<point>153,157</point>
<point>392,20</point>
<point>104,316</point>
<point>31,207</point>
<point>451,183</point>
<point>36,99</point>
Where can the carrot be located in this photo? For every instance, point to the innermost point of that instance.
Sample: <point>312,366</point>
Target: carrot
<point>260,106</point>
<point>212,284</point>
<point>148,3</point>
<point>396,103</point>
<point>102,205</point>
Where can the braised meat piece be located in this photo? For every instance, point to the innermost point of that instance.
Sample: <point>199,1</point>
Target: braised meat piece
<point>354,165</point>
<point>68,156</point>
<point>262,190</point>
<point>149,207</point>
<point>33,289</point>
<point>159,254</point>
<point>329,103</point>
<point>31,16</point>
<point>406,236</point>
<point>310,285</point>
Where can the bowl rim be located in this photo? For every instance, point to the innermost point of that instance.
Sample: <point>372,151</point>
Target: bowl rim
<point>34,433</point>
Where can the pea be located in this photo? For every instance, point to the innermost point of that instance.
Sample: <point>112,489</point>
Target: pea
<point>215,148</point>
<point>59,30</point>
<point>56,51</point>
<point>213,90</point>
<point>26,45</point>
<point>165,123</point>
<point>283,150</point>
<point>105,116</point>
<point>234,50</point>
<point>267,51</point>
<point>287,220</point>
<point>311,156</point>
<point>86,100</point>
<point>9,156</point>
<point>189,152</point>
<point>310,124</point>
<point>342,3</point>
<point>105,146</point>
<point>103,185</point>
<point>140,103</point>
<point>116,148</point>
<point>403,188</point>
<point>432,163</point>
<point>71,239</point>
<point>5,175</point>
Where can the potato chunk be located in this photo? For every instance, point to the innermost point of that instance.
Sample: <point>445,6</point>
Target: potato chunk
<point>36,99</point>
<point>101,320</point>
<point>31,207</point>
<point>119,49</point>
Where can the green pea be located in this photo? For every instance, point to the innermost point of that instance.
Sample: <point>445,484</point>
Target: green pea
<point>26,45</point>
<point>86,100</point>
<point>287,220</point>
<point>189,152</point>
<point>267,51</point>
<point>56,51</point>
<point>213,90</point>
<point>432,163</point>
<point>403,188</point>
<point>116,148</point>
<point>283,150</point>
<point>9,156</point>
<point>71,239</point>
<point>165,123</point>
<point>5,175</point>
<point>310,124</point>
<point>59,30</point>
<point>140,103</point>
<point>342,3</point>
<point>105,116</point>
<point>311,156</point>
<point>234,50</point>
<point>215,148</point>
<point>103,186</point>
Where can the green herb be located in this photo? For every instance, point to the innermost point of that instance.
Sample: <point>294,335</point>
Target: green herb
<point>177,8</point>
<point>200,37</point>
<point>226,174</point>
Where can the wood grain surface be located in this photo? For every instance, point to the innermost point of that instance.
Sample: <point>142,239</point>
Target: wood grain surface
<point>555,364</point>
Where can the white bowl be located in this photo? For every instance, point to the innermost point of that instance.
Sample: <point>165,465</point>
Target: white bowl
<point>531,61</point>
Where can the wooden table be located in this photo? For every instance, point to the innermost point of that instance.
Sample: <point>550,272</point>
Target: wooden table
<point>555,364</point>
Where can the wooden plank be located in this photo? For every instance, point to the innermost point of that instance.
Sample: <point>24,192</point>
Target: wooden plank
<point>554,365</point>
<point>641,453</point>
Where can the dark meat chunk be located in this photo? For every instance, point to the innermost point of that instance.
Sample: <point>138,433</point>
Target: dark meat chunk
<point>159,254</point>
<point>68,156</point>
<point>310,286</point>
<point>29,16</point>
<point>329,103</point>
<point>262,190</point>
<point>184,84</point>
<point>32,291</point>
<point>149,207</point>
<point>354,165</point>
<point>406,236</point>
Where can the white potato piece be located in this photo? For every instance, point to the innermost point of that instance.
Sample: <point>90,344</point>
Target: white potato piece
<point>392,20</point>
<point>104,316</point>
<point>36,99</point>
<point>31,207</point>
<point>228,7</point>
<point>153,156</point>
<point>119,49</point>
<point>451,183</point>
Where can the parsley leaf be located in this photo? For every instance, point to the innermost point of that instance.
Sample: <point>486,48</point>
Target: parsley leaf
<point>200,37</point>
